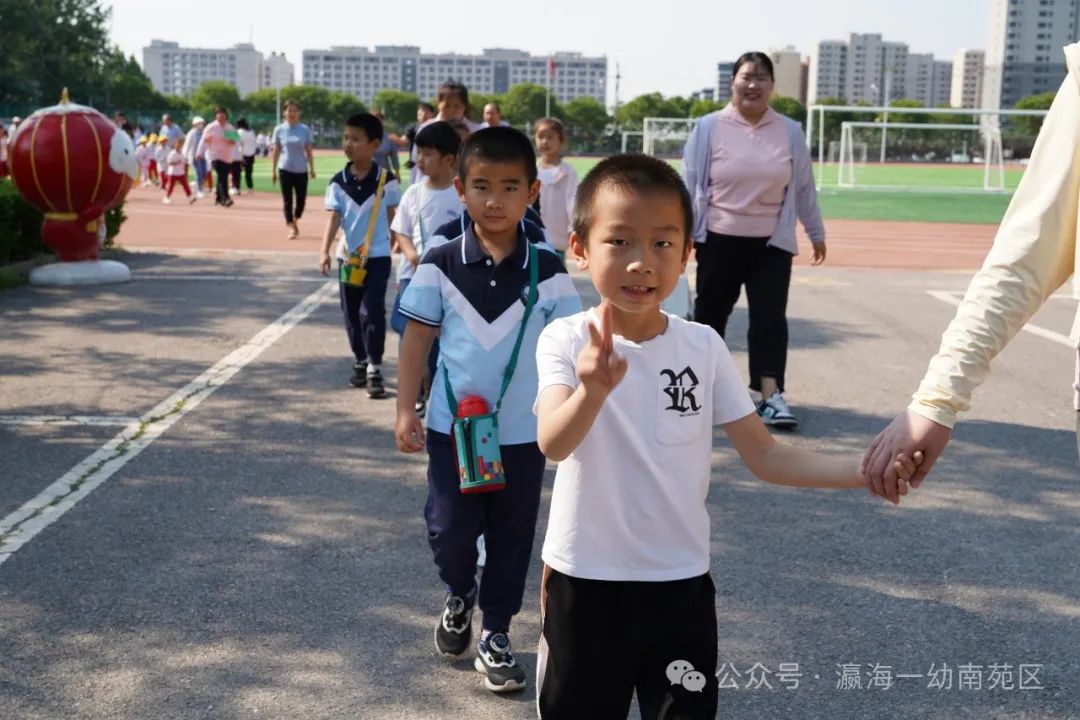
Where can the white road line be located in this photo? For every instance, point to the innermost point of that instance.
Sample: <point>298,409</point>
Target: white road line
<point>234,278</point>
<point>51,503</point>
<point>954,298</point>
<point>67,420</point>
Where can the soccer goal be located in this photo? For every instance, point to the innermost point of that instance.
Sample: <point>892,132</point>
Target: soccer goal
<point>962,146</point>
<point>631,141</point>
<point>859,152</point>
<point>666,137</point>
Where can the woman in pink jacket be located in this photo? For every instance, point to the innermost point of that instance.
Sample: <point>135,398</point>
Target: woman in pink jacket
<point>218,140</point>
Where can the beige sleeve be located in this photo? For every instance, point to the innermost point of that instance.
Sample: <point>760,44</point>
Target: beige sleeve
<point>1032,256</point>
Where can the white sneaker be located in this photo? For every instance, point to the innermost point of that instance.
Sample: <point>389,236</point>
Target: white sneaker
<point>166,200</point>
<point>233,191</point>
<point>775,412</point>
<point>200,195</point>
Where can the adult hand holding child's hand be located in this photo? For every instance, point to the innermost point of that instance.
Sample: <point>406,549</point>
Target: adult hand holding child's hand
<point>599,367</point>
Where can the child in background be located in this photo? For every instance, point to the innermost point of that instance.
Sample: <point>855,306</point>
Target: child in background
<point>351,197</point>
<point>144,156</point>
<point>161,158</point>
<point>628,397</point>
<point>176,172</point>
<point>425,207</point>
<point>453,104</point>
<point>472,292</point>
<point>558,183</point>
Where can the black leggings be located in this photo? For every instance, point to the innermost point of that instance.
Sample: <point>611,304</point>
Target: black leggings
<point>293,185</point>
<point>249,166</point>
<point>724,264</point>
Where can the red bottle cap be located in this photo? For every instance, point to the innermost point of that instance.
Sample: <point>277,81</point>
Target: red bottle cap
<point>472,405</point>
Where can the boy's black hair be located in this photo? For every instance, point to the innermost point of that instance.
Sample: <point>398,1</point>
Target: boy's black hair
<point>642,174</point>
<point>428,106</point>
<point>221,109</point>
<point>367,122</point>
<point>440,136</point>
<point>242,124</point>
<point>501,145</point>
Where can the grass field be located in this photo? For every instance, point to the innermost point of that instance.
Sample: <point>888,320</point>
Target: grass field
<point>930,200</point>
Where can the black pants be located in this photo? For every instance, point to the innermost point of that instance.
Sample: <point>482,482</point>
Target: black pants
<point>249,166</point>
<point>221,190</point>
<point>506,517</point>
<point>293,187</point>
<point>724,264</point>
<point>364,309</point>
<point>236,168</point>
<point>604,640</point>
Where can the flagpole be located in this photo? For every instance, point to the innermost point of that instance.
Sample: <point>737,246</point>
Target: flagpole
<point>551,75</point>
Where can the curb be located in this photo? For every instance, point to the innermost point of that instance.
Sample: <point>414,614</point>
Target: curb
<point>16,274</point>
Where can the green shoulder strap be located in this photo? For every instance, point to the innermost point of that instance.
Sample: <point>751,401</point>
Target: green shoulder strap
<point>508,374</point>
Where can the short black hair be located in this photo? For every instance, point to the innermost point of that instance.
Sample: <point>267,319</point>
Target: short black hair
<point>758,58</point>
<point>440,136</point>
<point>501,145</point>
<point>452,87</point>
<point>427,106</point>
<point>371,125</point>
<point>242,124</point>
<point>221,109</point>
<point>642,174</point>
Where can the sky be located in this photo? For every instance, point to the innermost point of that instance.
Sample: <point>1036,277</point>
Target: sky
<point>671,49</point>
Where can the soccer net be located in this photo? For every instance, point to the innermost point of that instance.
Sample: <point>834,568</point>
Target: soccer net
<point>666,137</point>
<point>919,149</point>
<point>859,152</point>
<point>938,151</point>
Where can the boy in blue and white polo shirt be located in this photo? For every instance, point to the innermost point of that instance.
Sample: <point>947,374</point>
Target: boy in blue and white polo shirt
<point>350,198</point>
<point>471,291</point>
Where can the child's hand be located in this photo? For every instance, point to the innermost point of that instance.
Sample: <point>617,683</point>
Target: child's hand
<point>324,264</point>
<point>905,470</point>
<point>599,367</point>
<point>409,432</point>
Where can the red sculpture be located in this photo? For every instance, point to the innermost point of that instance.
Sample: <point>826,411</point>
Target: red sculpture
<point>74,164</point>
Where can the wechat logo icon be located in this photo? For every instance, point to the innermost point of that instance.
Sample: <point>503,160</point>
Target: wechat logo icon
<point>681,672</point>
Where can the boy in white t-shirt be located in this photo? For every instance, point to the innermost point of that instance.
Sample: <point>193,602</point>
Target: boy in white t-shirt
<point>425,207</point>
<point>627,400</point>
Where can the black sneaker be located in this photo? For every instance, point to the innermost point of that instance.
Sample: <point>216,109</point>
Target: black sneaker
<point>453,633</point>
<point>497,664</point>
<point>376,389</point>
<point>359,376</point>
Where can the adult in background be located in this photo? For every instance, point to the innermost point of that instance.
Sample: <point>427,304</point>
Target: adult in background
<point>293,161</point>
<point>247,151</point>
<point>217,143</point>
<point>191,143</point>
<point>748,170</point>
<point>493,116</point>
<point>424,113</point>
<point>1034,252</point>
<point>170,130</point>
<point>387,154</point>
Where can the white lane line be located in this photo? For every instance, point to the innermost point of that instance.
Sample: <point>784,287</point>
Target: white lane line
<point>235,278</point>
<point>67,420</point>
<point>51,503</point>
<point>954,298</point>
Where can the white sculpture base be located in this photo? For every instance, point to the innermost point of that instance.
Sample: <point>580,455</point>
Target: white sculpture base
<point>85,272</point>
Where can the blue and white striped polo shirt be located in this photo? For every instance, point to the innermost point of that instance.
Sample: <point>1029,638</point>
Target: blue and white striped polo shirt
<point>353,198</point>
<point>479,307</point>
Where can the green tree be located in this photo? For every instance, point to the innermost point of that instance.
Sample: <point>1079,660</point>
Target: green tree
<point>525,103</point>
<point>903,117</point>
<point>216,93</point>
<point>790,107</point>
<point>343,105</point>
<point>631,116</point>
<point>586,114</point>
<point>703,107</point>
<point>263,101</point>
<point>49,45</point>
<point>1030,126</point>
<point>398,107</point>
<point>675,107</point>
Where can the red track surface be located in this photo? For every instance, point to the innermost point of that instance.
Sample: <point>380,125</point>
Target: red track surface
<point>255,222</point>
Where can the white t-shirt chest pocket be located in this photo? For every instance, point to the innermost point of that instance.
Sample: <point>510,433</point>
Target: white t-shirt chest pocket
<point>681,404</point>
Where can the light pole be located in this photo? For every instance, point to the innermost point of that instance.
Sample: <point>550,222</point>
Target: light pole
<point>277,94</point>
<point>885,126</point>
